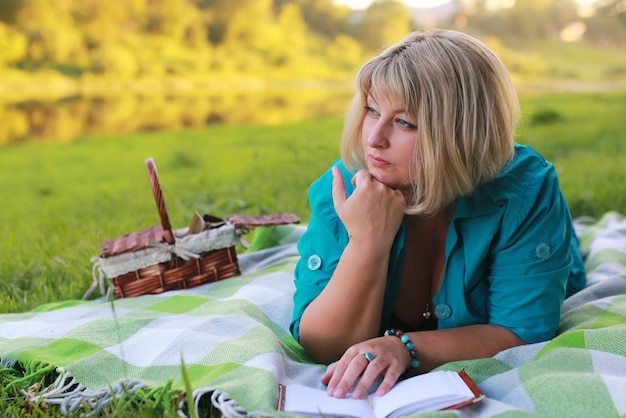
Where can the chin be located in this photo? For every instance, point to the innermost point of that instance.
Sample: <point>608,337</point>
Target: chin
<point>389,183</point>
<point>377,175</point>
<point>388,180</point>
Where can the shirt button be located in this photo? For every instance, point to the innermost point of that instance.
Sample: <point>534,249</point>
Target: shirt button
<point>542,250</point>
<point>443,311</point>
<point>314,262</point>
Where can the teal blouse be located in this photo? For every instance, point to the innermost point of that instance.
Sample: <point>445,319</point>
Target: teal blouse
<point>511,253</point>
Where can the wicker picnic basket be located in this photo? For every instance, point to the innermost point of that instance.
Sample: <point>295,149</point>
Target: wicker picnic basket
<point>158,259</point>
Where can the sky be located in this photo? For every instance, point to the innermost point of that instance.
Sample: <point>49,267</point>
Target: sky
<point>362,4</point>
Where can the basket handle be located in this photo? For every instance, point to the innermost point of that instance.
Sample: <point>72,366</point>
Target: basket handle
<point>168,234</point>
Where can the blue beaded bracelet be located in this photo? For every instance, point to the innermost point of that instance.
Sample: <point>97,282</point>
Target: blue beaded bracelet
<point>407,343</point>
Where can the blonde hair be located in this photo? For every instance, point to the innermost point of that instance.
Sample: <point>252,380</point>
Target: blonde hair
<point>465,106</point>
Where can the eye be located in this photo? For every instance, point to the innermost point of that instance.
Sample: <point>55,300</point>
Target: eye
<point>403,123</point>
<point>371,111</point>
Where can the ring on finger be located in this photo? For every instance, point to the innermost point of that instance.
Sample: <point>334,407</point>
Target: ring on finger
<point>369,356</point>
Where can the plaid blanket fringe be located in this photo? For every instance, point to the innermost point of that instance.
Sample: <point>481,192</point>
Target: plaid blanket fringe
<point>236,345</point>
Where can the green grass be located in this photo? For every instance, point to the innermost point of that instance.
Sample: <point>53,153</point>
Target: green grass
<point>585,138</point>
<point>563,61</point>
<point>61,201</point>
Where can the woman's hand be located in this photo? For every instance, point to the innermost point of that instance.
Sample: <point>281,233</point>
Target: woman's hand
<point>352,300</point>
<point>373,211</point>
<point>391,359</point>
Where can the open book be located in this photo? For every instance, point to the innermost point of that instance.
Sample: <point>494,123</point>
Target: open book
<point>423,393</point>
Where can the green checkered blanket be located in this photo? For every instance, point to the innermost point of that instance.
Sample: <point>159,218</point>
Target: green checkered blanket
<point>230,342</point>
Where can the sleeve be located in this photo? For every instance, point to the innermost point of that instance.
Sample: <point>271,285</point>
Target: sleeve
<point>531,259</point>
<point>578,275</point>
<point>320,247</point>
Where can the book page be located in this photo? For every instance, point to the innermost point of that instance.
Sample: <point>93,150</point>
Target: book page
<point>427,392</point>
<point>316,402</point>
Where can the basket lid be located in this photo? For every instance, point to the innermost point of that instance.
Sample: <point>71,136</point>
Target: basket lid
<point>134,241</point>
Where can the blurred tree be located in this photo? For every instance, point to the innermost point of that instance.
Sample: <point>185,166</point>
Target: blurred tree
<point>241,22</point>
<point>105,23</point>
<point>217,19</point>
<point>250,24</point>
<point>291,42</point>
<point>323,16</point>
<point>250,39</point>
<point>13,44</point>
<point>525,21</point>
<point>532,5</point>
<point>9,9</point>
<point>606,31</point>
<point>346,53</point>
<point>178,30</point>
<point>244,32</point>
<point>384,22</point>
<point>52,35</point>
<point>175,19</point>
<point>117,61</point>
<point>613,8</point>
<point>111,34</point>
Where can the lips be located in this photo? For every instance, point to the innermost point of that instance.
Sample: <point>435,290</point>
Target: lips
<point>376,161</point>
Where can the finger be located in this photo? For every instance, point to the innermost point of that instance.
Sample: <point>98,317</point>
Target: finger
<point>355,369</point>
<point>391,377</point>
<point>372,371</point>
<point>338,187</point>
<point>361,176</point>
<point>382,365</point>
<point>325,379</point>
<point>333,376</point>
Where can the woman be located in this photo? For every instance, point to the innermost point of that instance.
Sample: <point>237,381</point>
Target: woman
<point>436,237</point>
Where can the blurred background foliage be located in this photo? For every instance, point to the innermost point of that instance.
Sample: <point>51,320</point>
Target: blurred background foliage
<point>74,67</point>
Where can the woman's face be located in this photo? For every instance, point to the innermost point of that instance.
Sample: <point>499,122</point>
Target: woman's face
<point>389,136</point>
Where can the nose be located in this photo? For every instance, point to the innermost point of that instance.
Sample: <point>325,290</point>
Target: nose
<point>378,135</point>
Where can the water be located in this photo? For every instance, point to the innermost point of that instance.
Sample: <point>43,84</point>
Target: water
<point>71,118</point>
